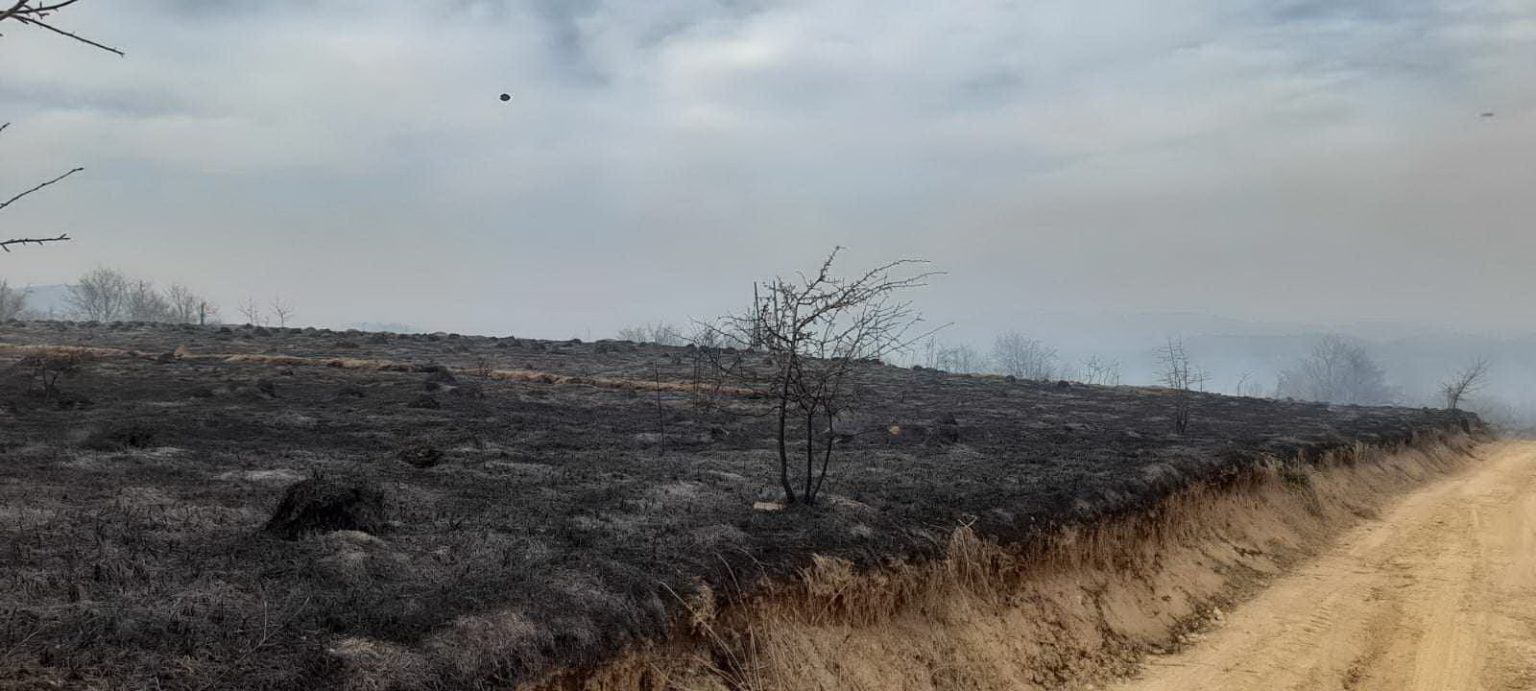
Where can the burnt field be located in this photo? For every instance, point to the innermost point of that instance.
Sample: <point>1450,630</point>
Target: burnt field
<point>542,503</point>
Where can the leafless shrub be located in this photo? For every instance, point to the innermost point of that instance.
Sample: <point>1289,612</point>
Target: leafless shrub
<point>46,369</point>
<point>658,333</point>
<point>109,295</point>
<point>282,310</point>
<point>13,302</point>
<point>1464,383</point>
<point>816,331</point>
<point>187,307</point>
<point>252,312</point>
<point>1177,373</point>
<point>1099,372</point>
<point>1336,371</point>
<point>1025,358</point>
<point>99,295</point>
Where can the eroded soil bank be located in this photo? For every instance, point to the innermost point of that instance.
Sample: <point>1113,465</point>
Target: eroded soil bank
<point>1440,593</point>
<point>1088,608</point>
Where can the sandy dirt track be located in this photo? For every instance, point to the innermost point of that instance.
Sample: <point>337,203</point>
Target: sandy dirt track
<point>1438,593</point>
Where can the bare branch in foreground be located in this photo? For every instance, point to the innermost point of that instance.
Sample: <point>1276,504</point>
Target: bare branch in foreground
<point>6,244</point>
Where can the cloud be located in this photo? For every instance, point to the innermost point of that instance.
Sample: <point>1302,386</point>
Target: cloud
<point>1190,155</point>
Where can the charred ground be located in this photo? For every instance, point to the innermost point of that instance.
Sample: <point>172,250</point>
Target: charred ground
<point>526,525</point>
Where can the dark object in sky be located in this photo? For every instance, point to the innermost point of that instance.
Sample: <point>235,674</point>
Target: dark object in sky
<point>506,97</point>
<point>1488,114</point>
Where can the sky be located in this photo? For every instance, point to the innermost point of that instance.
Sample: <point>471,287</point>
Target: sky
<point>1289,162</point>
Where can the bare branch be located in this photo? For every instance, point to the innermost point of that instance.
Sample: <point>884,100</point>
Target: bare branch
<point>25,12</point>
<point>6,244</point>
<point>61,32</point>
<point>18,197</point>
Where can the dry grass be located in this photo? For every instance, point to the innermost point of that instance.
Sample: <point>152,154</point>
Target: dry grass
<point>1079,606</point>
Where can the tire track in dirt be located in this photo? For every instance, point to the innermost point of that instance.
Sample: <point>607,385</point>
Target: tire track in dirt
<point>1438,594</point>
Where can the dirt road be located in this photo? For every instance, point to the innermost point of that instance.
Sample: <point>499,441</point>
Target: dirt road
<point>1438,594</point>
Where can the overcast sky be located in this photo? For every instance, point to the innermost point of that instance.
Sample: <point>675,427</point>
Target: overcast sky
<point>1319,161</point>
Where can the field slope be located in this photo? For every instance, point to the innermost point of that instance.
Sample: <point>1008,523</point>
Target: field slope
<point>548,507</point>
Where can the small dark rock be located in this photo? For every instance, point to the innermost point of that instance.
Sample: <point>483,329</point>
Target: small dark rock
<point>350,391</point>
<point>422,455</point>
<point>201,392</point>
<point>424,402</point>
<point>1063,384</point>
<point>267,386</point>
<point>326,504</point>
<point>442,376</point>
<point>121,438</point>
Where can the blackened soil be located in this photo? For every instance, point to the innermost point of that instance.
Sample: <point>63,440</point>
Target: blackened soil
<point>132,553</point>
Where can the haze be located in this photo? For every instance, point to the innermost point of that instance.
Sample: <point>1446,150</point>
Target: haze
<point>1316,164</point>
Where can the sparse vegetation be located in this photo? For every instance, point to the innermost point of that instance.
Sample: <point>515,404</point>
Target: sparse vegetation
<point>1464,383</point>
<point>13,302</point>
<point>1026,358</point>
<point>107,295</point>
<point>658,333</point>
<point>816,330</point>
<point>1182,377</point>
<point>1336,371</point>
<point>550,529</point>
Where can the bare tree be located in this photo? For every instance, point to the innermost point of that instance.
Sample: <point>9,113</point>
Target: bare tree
<point>252,312</point>
<point>1177,373</point>
<point>99,295</point>
<point>146,304</point>
<point>959,358</point>
<point>1025,358</point>
<point>817,330</point>
<point>658,333</point>
<point>1464,383</point>
<point>1099,372</point>
<point>187,307</point>
<point>13,302</point>
<point>282,310</point>
<point>1336,371</point>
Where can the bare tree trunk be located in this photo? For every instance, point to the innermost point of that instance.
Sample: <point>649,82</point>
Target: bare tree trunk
<point>789,492</point>
<point>810,455</point>
<point>826,456</point>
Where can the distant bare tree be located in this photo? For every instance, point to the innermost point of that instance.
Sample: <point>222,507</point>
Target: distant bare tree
<point>1464,383</point>
<point>1243,385</point>
<point>252,312</point>
<point>100,295</point>
<point>13,302</point>
<point>1025,358</point>
<point>187,307</point>
<point>817,330</point>
<point>146,304</point>
<point>1177,373</point>
<point>1336,371</point>
<point>960,358</point>
<point>658,333</point>
<point>1099,372</point>
<point>282,310</point>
